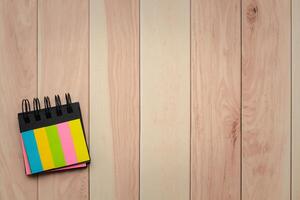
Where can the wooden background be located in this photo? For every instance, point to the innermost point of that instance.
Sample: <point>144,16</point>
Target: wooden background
<point>182,99</point>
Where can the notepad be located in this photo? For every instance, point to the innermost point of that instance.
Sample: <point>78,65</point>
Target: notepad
<point>52,138</point>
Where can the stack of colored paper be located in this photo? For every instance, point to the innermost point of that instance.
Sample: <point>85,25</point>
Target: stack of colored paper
<point>54,147</point>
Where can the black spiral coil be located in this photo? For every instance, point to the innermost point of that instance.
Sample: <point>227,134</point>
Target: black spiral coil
<point>36,108</point>
<point>47,107</point>
<point>68,101</point>
<point>58,105</point>
<point>26,109</point>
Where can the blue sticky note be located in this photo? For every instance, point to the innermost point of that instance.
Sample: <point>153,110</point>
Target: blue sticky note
<point>32,151</point>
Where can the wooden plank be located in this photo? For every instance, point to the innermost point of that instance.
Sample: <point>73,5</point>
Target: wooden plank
<point>266,99</point>
<point>114,103</point>
<point>102,184</point>
<point>296,100</point>
<point>216,94</point>
<point>165,99</point>
<point>64,67</point>
<point>18,77</point>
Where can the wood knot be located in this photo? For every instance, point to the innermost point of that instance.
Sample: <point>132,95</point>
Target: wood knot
<point>234,131</point>
<point>252,12</point>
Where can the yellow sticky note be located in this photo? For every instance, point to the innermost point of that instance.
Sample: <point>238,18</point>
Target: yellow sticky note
<point>79,140</point>
<point>43,148</point>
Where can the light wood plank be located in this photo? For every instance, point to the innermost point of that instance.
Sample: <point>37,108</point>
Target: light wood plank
<point>216,93</point>
<point>266,99</point>
<point>296,100</point>
<point>18,78</point>
<point>102,181</point>
<point>114,103</point>
<point>165,99</point>
<point>64,67</point>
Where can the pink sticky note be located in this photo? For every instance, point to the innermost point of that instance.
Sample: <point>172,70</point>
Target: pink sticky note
<point>73,166</point>
<point>27,168</point>
<point>67,143</point>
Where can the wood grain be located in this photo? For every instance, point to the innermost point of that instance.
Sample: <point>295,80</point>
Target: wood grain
<point>296,100</point>
<point>266,99</point>
<point>215,139</point>
<point>102,181</point>
<point>64,67</point>
<point>189,95</point>
<point>114,100</point>
<point>18,78</point>
<point>165,100</point>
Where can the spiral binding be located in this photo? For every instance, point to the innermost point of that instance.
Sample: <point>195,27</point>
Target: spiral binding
<point>47,107</point>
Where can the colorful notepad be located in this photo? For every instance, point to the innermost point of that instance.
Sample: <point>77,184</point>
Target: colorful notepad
<point>52,138</point>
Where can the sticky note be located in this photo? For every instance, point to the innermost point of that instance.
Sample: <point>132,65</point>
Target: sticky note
<point>55,146</point>
<point>44,148</point>
<point>67,143</point>
<point>79,140</point>
<point>32,151</point>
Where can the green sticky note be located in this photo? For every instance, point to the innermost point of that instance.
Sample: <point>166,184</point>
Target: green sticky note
<point>55,146</point>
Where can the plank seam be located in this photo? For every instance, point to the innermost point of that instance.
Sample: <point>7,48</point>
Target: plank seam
<point>241,99</point>
<point>37,72</point>
<point>89,66</point>
<point>190,173</point>
<point>291,103</point>
<point>139,45</point>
